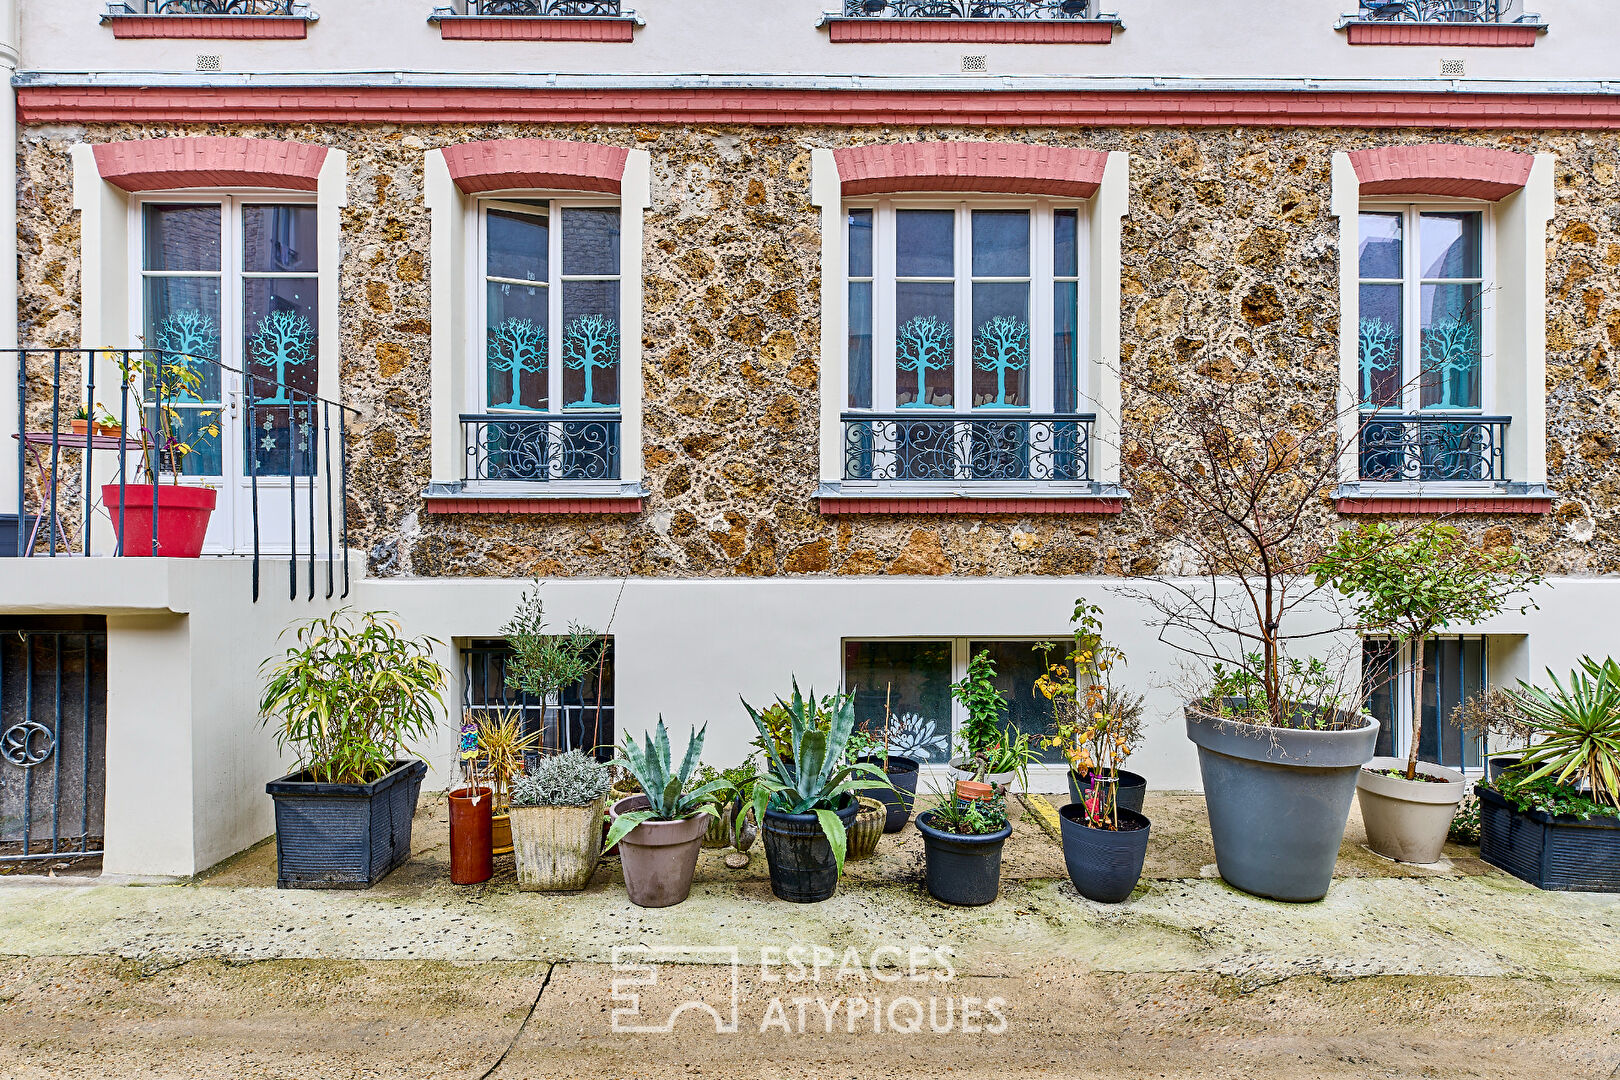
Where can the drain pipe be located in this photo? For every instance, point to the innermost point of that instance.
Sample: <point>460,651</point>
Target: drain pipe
<point>10,35</point>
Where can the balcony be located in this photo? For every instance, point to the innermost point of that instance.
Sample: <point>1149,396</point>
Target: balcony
<point>903,448</point>
<point>1442,22</point>
<point>535,20</point>
<point>982,21</point>
<point>209,19</point>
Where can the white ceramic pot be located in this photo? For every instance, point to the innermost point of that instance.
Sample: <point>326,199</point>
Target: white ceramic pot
<point>1407,820</point>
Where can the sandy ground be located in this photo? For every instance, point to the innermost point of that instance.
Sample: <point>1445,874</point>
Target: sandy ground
<point>1446,971</point>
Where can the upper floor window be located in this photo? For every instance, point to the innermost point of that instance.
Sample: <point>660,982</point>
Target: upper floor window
<point>1442,11</point>
<point>597,9</point>
<point>968,9</point>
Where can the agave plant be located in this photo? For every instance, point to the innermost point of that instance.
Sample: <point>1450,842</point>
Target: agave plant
<point>1577,728</point>
<point>815,777</point>
<point>665,786</point>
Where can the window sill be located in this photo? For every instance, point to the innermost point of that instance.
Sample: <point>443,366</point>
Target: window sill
<point>536,28</point>
<point>1452,499</point>
<point>973,31</point>
<point>1486,35</point>
<point>210,27</point>
<point>489,498</point>
<point>1102,499</point>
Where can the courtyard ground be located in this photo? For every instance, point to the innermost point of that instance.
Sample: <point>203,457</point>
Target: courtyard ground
<point>1454,970</point>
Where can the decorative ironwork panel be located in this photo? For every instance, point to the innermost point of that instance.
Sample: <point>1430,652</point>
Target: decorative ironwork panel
<point>542,448</point>
<point>1433,448</point>
<point>967,9</point>
<point>219,7</point>
<point>967,448</point>
<point>1443,11</point>
<point>586,8</point>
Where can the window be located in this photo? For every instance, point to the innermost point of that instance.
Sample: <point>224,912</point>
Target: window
<point>1454,670</point>
<point>910,682</point>
<point>582,720</point>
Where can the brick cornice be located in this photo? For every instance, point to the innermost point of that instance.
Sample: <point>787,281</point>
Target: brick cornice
<point>838,505</point>
<point>1433,504</point>
<point>551,504</point>
<point>512,164</point>
<point>211,27</point>
<point>198,161</point>
<point>1020,168</point>
<point>1442,169</point>
<point>1488,35</point>
<point>973,31</point>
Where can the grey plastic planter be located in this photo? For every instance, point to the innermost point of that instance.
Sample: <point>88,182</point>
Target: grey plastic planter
<point>1407,820</point>
<point>1278,801</point>
<point>344,836</point>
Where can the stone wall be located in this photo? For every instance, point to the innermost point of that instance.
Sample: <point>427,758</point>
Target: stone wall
<point>1230,257</point>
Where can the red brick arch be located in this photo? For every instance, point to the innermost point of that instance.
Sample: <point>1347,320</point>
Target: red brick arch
<point>1442,169</point>
<point>198,161</point>
<point>515,164</point>
<point>1012,168</point>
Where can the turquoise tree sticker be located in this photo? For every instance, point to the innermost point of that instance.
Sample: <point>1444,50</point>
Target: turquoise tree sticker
<point>187,335</point>
<point>1001,345</point>
<point>922,345</point>
<point>1379,343</point>
<point>517,347</point>
<point>284,340</point>
<point>591,342</point>
<point>1451,359</point>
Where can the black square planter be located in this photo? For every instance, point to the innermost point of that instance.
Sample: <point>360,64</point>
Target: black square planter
<point>1557,853</point>
<point>344,836</point>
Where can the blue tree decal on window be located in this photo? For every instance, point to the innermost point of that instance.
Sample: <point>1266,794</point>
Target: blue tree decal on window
<point>924,344</point>
<point>589,343</point>
<point>1451,362</point>
<point>1001,345</point>
<point>517,347</point>
<point>188,335</point>
<point>283,340</point>
<point>1380,349</point>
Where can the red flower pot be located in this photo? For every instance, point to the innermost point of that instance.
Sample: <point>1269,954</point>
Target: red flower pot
<point>472,858</point>
<point>182,518</point>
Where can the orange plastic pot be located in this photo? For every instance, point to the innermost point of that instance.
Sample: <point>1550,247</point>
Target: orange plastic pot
<point>471,858</point>
<point>975,790</point>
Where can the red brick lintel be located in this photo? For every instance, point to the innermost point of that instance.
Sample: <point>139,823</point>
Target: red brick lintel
<point>1490,35</point>
<point>834,506</point>
<point>974,31</point>
<point>1433,504</point>
<point>210,27</point>
<point>551,504</point>
<point>535,28</point>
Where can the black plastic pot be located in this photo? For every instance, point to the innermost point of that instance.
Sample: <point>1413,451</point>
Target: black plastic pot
<point>961,870</point>
<point>1499,764</point>
<point>1563,854</point>
<point>902,773</point>
<point>344,836</point>
<point>1104,864</point>
<point>1131,795</point>
<point>803,870</point>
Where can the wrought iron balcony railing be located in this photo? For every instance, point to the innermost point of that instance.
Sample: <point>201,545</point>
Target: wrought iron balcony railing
<point>968,9</point>
<point>215,7</point>
<point>1024,447</point>
<point>1433,449</point>
<point>541,448</point>
<point>590,9</point>
<point>1436,11</point>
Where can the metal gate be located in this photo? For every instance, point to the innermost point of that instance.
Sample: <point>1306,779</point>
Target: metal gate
<point>53,745</point>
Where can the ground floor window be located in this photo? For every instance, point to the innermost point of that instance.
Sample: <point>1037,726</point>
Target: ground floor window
<point>582,720</point>
<point>910,682</point>
<point>1454,670</point>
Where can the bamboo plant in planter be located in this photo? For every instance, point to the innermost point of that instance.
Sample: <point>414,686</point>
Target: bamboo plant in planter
<point>556,811</point>
<point>346,697</point>
<point>660,831</point>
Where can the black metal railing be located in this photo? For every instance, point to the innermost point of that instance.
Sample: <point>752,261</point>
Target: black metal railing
<point>1025,447</point>
<point>169,424</point>
<point>1446,448</point>
<point>1435,11</point>
<point>541,447</point>
<point>215,7</point>
<point>591,9</point>
<point>967,9</point>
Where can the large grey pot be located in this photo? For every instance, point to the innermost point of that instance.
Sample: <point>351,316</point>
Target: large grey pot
<point>1278,800</point>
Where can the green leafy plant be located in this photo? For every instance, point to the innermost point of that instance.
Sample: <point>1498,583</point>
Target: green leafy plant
<point>815,776</point>
<point>350,694</point>
<point>985,743</point>
<point>1464,828</point>
<point>1548,796</point>
<point>778,733</point>
<point>1238,693</point>
<point>542,664</point>
<point>968,817</point>
<point>571,779</point>
<point>1410,583</point>
<point>164,377</point>
<point>1576,728</point>
<point>670,795</point>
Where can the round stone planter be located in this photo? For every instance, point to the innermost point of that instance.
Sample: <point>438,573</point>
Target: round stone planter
<point>867,830</point>
<point>556,847</point>
<point>1407,820</point>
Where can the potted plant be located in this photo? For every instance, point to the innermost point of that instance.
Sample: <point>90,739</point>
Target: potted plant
<point>183,510</point>
<point>556,809</point>
<point>502,747</point>
<point>886,751</point>
<point>806,799</point>
<point>660,831</point>
<point>1410,585</point>
<point>736,784</point>
<point>1555,820</point>
<point>1092,718</point>
<point>987,753</point>
<point>962,843</point>
<point>1494,717</point>
<point>346,697</point>
<point>542,665</point>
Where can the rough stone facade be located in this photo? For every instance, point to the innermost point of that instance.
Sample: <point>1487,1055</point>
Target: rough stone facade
<point>1230,253</point>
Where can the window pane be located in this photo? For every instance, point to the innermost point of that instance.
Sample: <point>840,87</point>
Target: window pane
<point>590,344</point>
<point>176,237</point>
<point>278,239</point>
<point>1381,246</point>
<point>914,679</point>
<point>280,351</point>
<point>1001,243</point>
<point>1379,686</point>
<point>860,243</point>
<point>1065,347</point>
<point>925,345</point>
<point>1018,665</point>
<point>1001,345</point>
<point>925,243</point>
<point>590,240</point>
<point>1066,227</point>
<point>1379,345</point>
<point>516,346</point>
<point>860,344</point>
<point>182,320</point>
<point>1453,672</point>
<point>587,705</point>
<point>1450,245</point>
<point>1450,352</point>
<point>518,245</point>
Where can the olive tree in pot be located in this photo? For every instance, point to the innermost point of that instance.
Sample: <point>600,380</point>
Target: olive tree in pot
<point>962,844</point>
<point>805,801</point>
<point>556,808</point>
<point>1410,585</point>
<point>346,697</point>
<point>660,832</point>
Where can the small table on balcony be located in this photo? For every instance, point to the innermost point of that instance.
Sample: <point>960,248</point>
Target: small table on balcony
<point>37,444</point>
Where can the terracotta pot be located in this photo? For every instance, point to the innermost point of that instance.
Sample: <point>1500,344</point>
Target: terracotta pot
<point>182,518</point>
<point>471,860</point>
<point>79,427</point>
<point>109,431</point>
<point>1407,820</point>
<point>659,857</point>
<point>965,767</point>
<point>500,834</point>
<point>868,828</point>
<point>975,790</point>
<point>557,847</point>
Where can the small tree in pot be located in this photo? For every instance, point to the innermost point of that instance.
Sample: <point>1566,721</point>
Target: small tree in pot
<point>1412,585</point>
<point>1094,720</point>
<point>660,831</point>
<point>962,845</point>
<point>556,809</point>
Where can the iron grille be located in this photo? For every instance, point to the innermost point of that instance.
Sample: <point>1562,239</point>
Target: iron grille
<point>900,446</point>
<point>540,448</point>
<point>1442,11</point>
<point>1453,448</point>
<point>219,7</point>
<point>597,9</point>
<point>581,720</point>
<point>967,9</point>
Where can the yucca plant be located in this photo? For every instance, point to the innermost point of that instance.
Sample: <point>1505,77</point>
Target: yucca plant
<point>1576,729</point>
<point>816,778</point>
<point>502,744</point>
<point>664,785</point>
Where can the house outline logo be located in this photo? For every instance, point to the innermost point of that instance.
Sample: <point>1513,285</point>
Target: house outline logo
<point>635,967</point>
